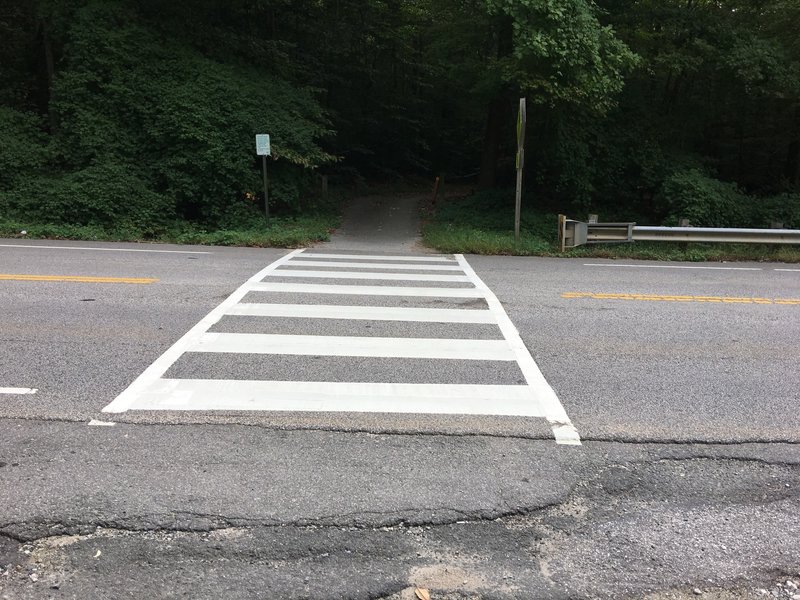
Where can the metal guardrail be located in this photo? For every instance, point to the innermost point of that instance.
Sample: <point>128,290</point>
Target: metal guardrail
<point>711,234</point>
<point>573,233</point>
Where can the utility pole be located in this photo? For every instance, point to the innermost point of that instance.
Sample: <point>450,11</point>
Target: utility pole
<point>521,122</point>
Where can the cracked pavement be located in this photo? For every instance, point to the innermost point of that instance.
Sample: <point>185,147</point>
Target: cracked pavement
<point>505,519</point>
<point>687,483</point>
<point>465,516</point>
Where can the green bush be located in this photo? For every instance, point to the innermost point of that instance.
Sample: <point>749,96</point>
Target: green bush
<point>705,201</point>
<point>150,130</point>
<point>107,195</point>
<point>783,208</point>
<point>23,146</point>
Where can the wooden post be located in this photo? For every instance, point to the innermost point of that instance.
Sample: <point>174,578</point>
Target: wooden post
<point>521,122</point>
<point>435,190</point>
<point>325,188</point>
<point>266,188</point>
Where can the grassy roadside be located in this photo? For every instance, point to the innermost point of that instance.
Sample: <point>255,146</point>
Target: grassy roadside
<point>282,232</point>
<point>482,224</point>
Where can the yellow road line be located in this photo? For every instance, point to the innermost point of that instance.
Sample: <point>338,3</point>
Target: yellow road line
<point>661,298</point>
<point>75,278</point>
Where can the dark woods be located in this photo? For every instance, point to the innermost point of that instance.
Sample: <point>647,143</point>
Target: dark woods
<point>143,112</point>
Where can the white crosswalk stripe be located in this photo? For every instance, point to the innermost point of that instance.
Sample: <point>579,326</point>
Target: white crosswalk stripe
<point>428,258</point>
<point>371,275</point>
<point>316,345</point>
<point>373,265</point>
<point>366,290</point>
<point>326,396</point>
<point>155,390</point>
<point>372,313</point>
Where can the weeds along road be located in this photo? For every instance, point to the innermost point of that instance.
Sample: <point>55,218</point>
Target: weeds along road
<point>245,463</point>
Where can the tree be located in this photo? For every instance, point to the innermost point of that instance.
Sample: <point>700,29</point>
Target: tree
<point>557,54</point>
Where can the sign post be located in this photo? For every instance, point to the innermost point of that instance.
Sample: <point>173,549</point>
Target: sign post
<point>263,150</point>
<point>522,118</point>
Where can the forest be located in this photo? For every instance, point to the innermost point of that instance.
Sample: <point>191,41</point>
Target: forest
<point>139,114</point>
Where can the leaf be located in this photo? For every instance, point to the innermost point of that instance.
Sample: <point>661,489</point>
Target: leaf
<point>422,594</point>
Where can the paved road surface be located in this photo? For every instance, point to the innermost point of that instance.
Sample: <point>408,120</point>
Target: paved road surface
<point>236,468</point>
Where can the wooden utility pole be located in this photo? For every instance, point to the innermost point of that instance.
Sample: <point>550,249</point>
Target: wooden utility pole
<point>521,122</point>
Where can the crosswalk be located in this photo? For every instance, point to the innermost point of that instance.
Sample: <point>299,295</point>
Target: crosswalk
<point>351,332</point>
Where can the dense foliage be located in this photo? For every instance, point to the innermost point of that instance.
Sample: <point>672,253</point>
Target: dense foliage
<point>141,113</point>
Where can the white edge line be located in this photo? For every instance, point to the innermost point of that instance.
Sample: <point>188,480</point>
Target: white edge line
<point>10,390</point>
<point>788,270</point>
<point>96,423</point>
<point>674,267</point>
<point>104,249</point>
<point>122,402</point>
<point>563,429</point>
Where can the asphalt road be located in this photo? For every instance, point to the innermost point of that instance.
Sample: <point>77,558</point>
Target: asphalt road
<point>682,383</point>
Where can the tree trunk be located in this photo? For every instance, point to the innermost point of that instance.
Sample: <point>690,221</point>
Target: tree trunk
<point>497,111</point>
<point>50,68</point>
<point>792,168</point>
<point>491,142</point>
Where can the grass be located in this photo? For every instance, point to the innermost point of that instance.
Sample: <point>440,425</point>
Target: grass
<point>453,238</point>
<point>282,232</point>
<point>483,224</point>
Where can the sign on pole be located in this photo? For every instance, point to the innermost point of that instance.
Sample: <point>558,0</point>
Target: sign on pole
<point>522,118</point>
<point>263,150</point>
<point>262,145</point>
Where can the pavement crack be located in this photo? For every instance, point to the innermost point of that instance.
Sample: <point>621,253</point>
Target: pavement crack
<point>38,529</point>
<point>125,419</point>
<point>716,457</point>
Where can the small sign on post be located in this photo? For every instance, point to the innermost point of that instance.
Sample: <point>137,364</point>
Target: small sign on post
<point>522,118</point>
<point>263,150</point>
<point>262,145</point>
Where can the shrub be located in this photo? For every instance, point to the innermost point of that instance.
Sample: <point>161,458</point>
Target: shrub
<point>23,146</point>
<point>107,195</point>
<point>143,118</point>
<point>705,201</point>
<point>783,208</point>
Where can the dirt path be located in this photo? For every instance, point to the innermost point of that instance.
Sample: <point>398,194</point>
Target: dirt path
<point>387,223</point>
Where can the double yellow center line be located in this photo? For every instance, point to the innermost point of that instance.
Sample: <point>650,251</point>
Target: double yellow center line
<point>662,298</point>
<point>76,278</point>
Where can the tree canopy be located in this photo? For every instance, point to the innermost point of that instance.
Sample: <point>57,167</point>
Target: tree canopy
<point>144,112</point>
